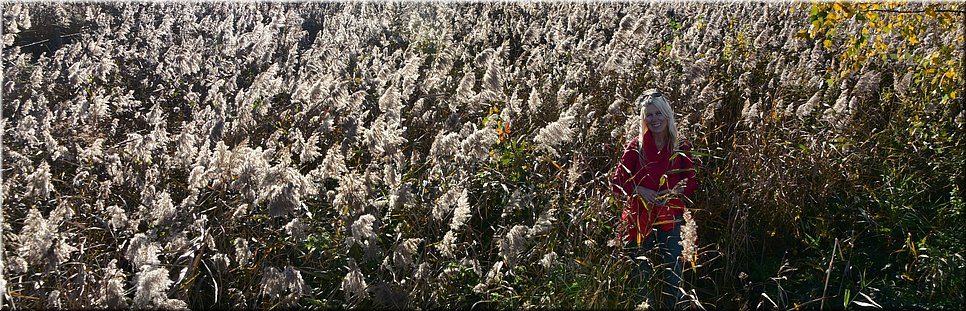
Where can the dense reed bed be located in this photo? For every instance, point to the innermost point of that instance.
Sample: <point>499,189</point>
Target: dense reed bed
<point>441,155</point>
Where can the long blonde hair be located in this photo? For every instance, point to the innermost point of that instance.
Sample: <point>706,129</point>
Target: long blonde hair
<point>654,97</point>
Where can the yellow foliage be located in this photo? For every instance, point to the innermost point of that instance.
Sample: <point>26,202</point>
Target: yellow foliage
<point>872,16</point>
<point>951,74</point>
<point>877,20</point>
<point>881,47</point>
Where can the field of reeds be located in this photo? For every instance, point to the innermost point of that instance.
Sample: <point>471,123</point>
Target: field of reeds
<point>457,155</point>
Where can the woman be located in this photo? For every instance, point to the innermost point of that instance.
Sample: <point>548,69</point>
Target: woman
<point>656,175</point>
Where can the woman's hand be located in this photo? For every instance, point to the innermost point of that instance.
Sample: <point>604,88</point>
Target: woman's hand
<point>651,197</point>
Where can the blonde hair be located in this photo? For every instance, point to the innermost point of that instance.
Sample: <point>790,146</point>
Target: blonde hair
<point>654,97</point>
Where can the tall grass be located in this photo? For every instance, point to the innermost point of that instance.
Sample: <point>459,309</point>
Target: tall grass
<point>423,155</point>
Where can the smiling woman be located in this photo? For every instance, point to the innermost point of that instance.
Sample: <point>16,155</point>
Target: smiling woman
<point>656,176</point>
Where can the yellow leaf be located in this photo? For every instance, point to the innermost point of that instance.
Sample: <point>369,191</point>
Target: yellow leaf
<point>906,276</point>
<point>952,95</point>
<point>951,74</point>
<point>558,166</point>
<point>832,16</point>
<point>827,43</point>
<point>837,7</point>
<point>879,46</point>
<point>913,40</point>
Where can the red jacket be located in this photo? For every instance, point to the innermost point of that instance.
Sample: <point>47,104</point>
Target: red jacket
<point>630,173</point>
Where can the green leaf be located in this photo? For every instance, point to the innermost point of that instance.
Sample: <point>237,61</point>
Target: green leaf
<point>698,153</point>
<point>848,295</point>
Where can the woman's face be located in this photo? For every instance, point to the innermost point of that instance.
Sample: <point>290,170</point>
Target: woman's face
<point>655,120</point>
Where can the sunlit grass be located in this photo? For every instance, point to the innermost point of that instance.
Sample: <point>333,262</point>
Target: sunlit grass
<point>415,155</point>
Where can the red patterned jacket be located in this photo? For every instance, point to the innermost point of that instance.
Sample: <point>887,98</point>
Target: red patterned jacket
<point>658,172</point>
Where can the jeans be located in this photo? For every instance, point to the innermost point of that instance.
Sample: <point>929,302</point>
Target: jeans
<point>668,245</point>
